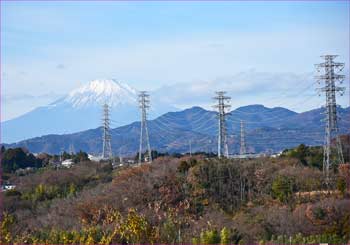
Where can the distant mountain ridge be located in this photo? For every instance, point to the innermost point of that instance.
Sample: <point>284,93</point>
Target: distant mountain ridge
<point>267,130</point>
<point>79,110</point>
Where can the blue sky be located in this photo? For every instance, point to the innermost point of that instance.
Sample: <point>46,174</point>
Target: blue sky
<point>49,48</point>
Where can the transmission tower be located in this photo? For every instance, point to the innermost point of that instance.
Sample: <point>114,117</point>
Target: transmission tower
<point>106,137</point>
<point>242,150</point>
<point>190,145</point>
<point>222,105</point>
<point>71,149</point>
<point>330,78</point>
<point>120,157</point>
<point>144,105</point>
<point>61,154</point>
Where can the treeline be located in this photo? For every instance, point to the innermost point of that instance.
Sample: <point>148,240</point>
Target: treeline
<point>155,154</point>
<point>16,158</point>
<point>312,156</point>
<point>13,159</point>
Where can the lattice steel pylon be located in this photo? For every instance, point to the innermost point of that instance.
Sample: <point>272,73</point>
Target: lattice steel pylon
<point>71,149</point>
<point>144,105</point>
<point>330,77</point>
<point>106,135</point>
<point>242,150</point>
<point>222,105</point>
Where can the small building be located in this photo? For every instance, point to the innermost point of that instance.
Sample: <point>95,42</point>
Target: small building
<point>94,158</point>
<point>7,187</point>
<point>67,163</point>
<point>130,161</point>
<point>276,155</point>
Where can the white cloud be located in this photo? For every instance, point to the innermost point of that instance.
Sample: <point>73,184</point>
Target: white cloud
<point>151,63</point>
<point>294,91</point>
<point>207,61</point>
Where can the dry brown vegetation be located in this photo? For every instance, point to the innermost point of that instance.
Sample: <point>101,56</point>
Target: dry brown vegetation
<point>186,196</point>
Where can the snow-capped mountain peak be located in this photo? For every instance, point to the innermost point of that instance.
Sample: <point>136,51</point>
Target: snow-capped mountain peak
<point>102,91</point>
<point>81,109</point>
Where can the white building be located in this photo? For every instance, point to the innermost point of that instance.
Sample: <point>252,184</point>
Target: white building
<point>7,187</point>
<point>67,163</point>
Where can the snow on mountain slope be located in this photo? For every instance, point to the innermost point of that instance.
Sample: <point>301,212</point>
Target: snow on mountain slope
<point>80,110</point>
<point>100,91</point>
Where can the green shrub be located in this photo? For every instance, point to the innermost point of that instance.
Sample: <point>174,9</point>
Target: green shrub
<point>319,213</point>
<point>224,236</point>
<point>183,167</point>
<point>43,192</point>
<point>341,185</point>
<point>282,188</point>
<point>210,237</point>
<point>168,232</point>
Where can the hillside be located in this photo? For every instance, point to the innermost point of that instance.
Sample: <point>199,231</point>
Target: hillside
<point>267,130</point>
<point>187,200</point>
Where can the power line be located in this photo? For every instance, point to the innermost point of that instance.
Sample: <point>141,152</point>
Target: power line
<point>160,129</point>
<point>242,150</point>
<point>200,126</point>
<point>282,101</point>
<point>164,120</point>
<point>271,118</point>
<point>330,77</point>
<point>205,114</point>
<point>301,92</point>
<point>276,118</point>
<point>144,105</point>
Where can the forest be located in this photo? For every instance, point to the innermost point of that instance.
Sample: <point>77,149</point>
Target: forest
<point>197,200</point>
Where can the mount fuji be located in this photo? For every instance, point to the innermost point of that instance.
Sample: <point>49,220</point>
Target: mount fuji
<point>79,110</point>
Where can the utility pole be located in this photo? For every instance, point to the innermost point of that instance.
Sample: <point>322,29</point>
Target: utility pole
<point>242,150</point>
<point>120,157</point>
<point>61,154</point>
<point>71,149</point>
<point>106,136</point>
<point>209,146</point>
<point>330,77</point>
<point>190,144</point>
<point>222,105</point>
<point>144,105</point>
